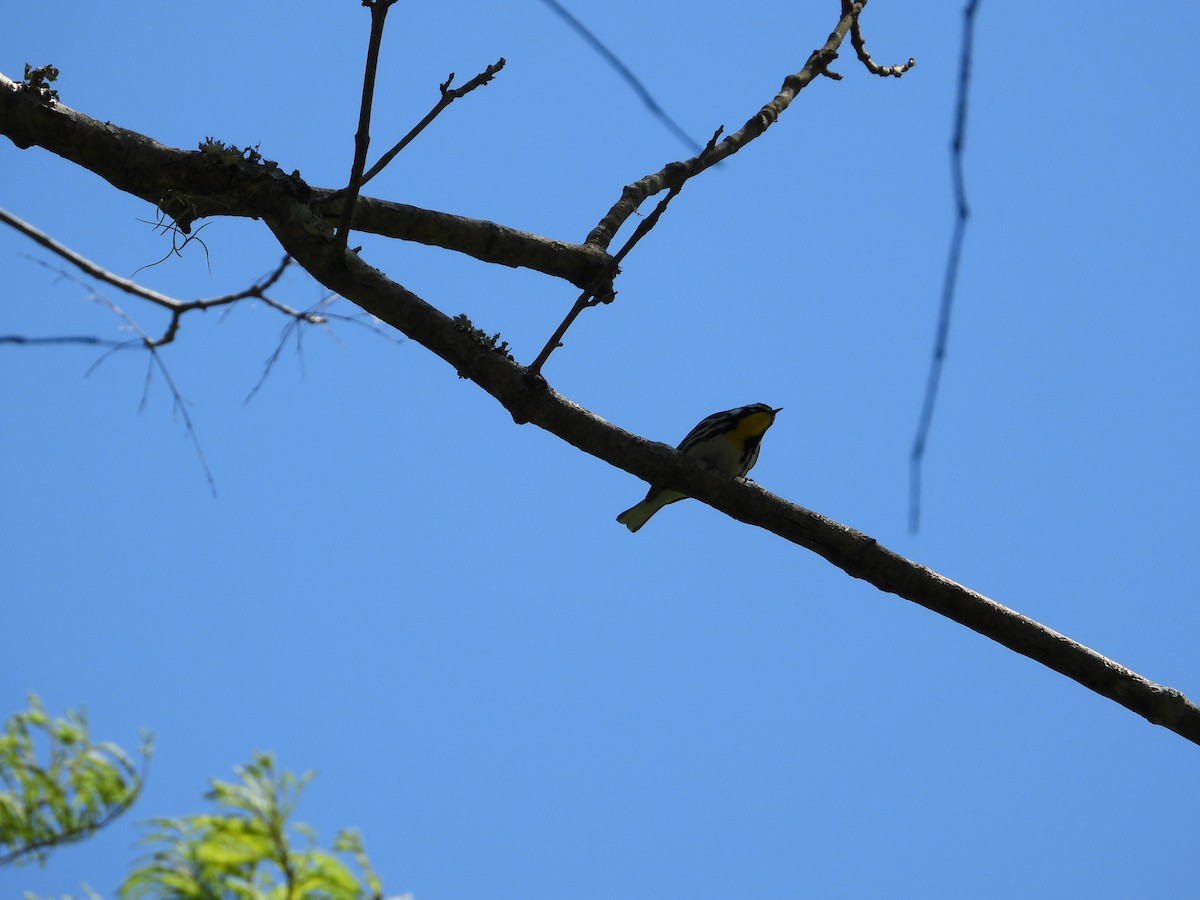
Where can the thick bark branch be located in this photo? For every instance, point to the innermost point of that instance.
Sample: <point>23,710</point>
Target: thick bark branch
<point>529,399</point>
<point>487,241</point>
<point>192,184</point>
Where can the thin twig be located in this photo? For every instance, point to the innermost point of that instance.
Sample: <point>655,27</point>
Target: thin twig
<point>362,138</point>
<point>634,194</point>
<point>601,290</point>
<point>325,316</point>
<point>179,402</point>
<point>672,177</point>
<point>86,265</point>
<point>62,339</point>
<point>121,345</point>
<point>860,47</point>
<point>942,334</point>
<point>257,290</point>
<point>269,365</point>
<point>624,71</point>
<point>177,307</point>
<point>372,325</point>
<point>449,95</point>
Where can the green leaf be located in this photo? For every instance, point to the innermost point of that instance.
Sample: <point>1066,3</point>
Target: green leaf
<point>77,788</point>
<point>246,848</point>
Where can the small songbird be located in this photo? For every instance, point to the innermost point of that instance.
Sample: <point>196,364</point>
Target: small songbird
<point>726,440</point>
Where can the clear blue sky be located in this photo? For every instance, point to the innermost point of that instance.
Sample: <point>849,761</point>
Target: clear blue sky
<point>433,608</point>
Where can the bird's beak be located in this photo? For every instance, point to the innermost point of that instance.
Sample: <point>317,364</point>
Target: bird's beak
<point>777,411</point>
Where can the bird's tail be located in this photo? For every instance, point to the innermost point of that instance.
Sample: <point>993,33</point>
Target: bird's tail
<point>637,516</point>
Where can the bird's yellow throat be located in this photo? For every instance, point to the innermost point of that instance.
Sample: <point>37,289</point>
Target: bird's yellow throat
<point>754,425</point>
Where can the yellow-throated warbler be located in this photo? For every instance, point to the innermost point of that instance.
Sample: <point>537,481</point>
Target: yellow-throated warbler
<point>726,440</point>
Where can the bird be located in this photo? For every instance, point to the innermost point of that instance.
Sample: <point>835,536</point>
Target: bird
<point>728,441</point>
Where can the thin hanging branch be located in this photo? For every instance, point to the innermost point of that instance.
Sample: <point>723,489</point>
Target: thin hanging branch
<point>143,341</point>
<point>178,308</point>
<point>624,71</point>
<point>962,213</point>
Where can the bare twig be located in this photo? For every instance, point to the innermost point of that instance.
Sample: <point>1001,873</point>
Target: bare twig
<point>180,406</point>
<point>672,177</point>
<point>61,339</point>
<point>83,264</point>
<point>449,95</point>
<point>287,332</point>
<point>601,290</point>
<point>269,365</point>
<point>372,325</point>
<point>257,291</point>
<point>114,348</point>
<point>624,71</point>
<point>950,281</point>
<point>177,307</point>
<point>368,322</point>
<point>178,401</point>
<point>362,138</point>
<point>634,194</point>
<point>860,47</point>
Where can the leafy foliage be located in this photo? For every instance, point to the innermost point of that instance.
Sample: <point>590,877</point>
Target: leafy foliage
<point>247,850</point>
<point>81,788</point>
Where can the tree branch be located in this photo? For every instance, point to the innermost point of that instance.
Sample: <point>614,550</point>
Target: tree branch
<point>601,290</point>
<point>85,339</point>
<point>860,47</point>
<point>950,280</point>
<point>285,204</point>
<point>84,264</point>
<point>195,184</point>
<point>177,307</point>
<point>530,399</point>
<point>633,195</point>
<point>362,138</point>
<point>625,72</point>
<point>486,241</point>
<point>449,95</point>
